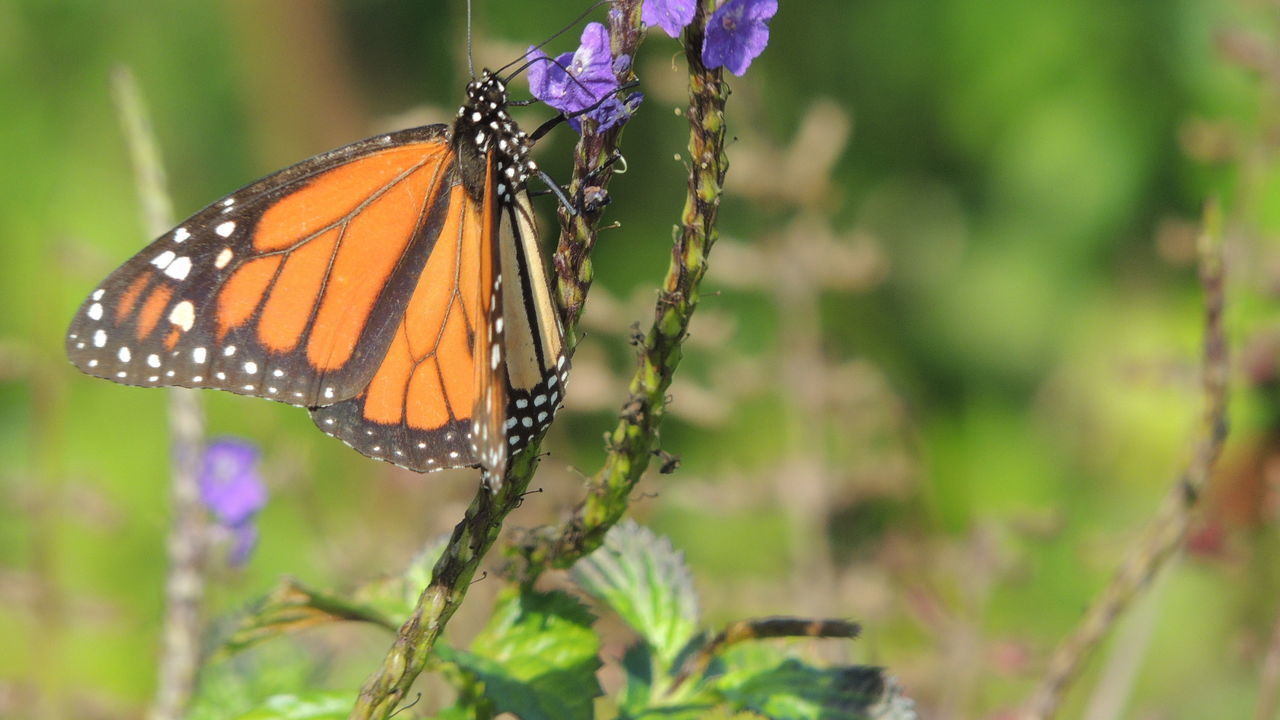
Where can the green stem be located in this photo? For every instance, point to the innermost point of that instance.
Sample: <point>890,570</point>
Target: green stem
<point>474,536</point>
<point>630,444</point>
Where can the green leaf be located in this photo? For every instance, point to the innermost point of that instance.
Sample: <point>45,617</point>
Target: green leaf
<point>455,712</point>
<point>796,691</point>
<point>310,706</point>
<point>643,579</point>
<point>537,657</point>
<point>397,596</point>
<point>238,684</point>
<point>637,664</point>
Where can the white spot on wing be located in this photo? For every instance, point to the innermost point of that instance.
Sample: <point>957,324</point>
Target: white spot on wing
<point>180,234</point>
<point>153,360</point>
<point>223,258</point>
<point>124,354</point>
<point>179,268</point>
<point>183,315</point>
<point>226,228</point>
<point>100,338</point>
<point>95,311</point>
<point>251,367</point>
<point>163,259</point>
<point>199,355</point>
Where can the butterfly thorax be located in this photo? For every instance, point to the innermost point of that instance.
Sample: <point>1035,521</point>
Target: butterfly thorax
<point>483,125</point>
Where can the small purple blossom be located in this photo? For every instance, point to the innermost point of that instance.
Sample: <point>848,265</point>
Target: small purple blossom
<point>578,80</point>
<point>233,492</point>
<point>670,15</point>
<point>244,538</point>
<point>612,111</point>
<point>737,33</point>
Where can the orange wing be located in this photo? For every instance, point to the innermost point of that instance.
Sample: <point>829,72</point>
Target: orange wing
<point>290,289</point>
<point>417,408</point>
<point>365,284</point>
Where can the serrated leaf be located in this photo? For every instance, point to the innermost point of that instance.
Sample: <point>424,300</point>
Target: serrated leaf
<point>645,580</point>
<point>796,691</point>
<point>309,706</point>
<point>397,596</point>
<point>645,696</point>
<point>637,664</point>
<point>537,657</point>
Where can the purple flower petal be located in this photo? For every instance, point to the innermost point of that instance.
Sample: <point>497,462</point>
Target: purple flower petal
<point>737,33</point>
<point>244,538</point>
<point>670,15</point>
<point>230,486</point>
<point>611,112</point>
<point>575,81</point>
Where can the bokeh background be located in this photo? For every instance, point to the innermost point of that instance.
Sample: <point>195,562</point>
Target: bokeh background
<point>944,369</point>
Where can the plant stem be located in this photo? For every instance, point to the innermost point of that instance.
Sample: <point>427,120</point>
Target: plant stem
<point>474,536</point>
<point>629,446</point>
<point>762,629</point>
<point>184,585</point>
<point>1165,534</point>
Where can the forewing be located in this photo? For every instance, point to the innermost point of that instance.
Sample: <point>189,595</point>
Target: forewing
<point>289,289</point>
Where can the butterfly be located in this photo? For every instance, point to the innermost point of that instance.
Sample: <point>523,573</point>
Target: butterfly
<point>394,287</point>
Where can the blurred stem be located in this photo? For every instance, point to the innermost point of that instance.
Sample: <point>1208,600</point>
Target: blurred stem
<point>184,586</point>
<point>762,629</point>
<point>1165,534</point>
<point>1269,685</point>
<point>629,445</point>
<point>1128,650</point>
<point>474,536</point>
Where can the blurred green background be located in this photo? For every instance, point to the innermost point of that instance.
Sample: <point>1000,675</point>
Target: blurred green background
<point>944,369</point>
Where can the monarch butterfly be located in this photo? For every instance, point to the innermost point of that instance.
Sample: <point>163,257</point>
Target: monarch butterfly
<point>394,287</point>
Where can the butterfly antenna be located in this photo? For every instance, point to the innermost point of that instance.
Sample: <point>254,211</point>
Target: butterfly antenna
<point>471,66</point>
<point>559,32</point>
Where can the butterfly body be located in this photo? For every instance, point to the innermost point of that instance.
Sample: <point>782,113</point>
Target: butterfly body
<point>393,286</point>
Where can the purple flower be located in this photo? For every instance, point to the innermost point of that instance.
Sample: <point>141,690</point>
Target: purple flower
<point>670,15</point>
<point>244,538</point>
<point>233,491</point>
<point>578,80</point>
<point>737,33</point>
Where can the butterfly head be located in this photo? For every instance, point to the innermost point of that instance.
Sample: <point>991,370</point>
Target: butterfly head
<point>483,125</point>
